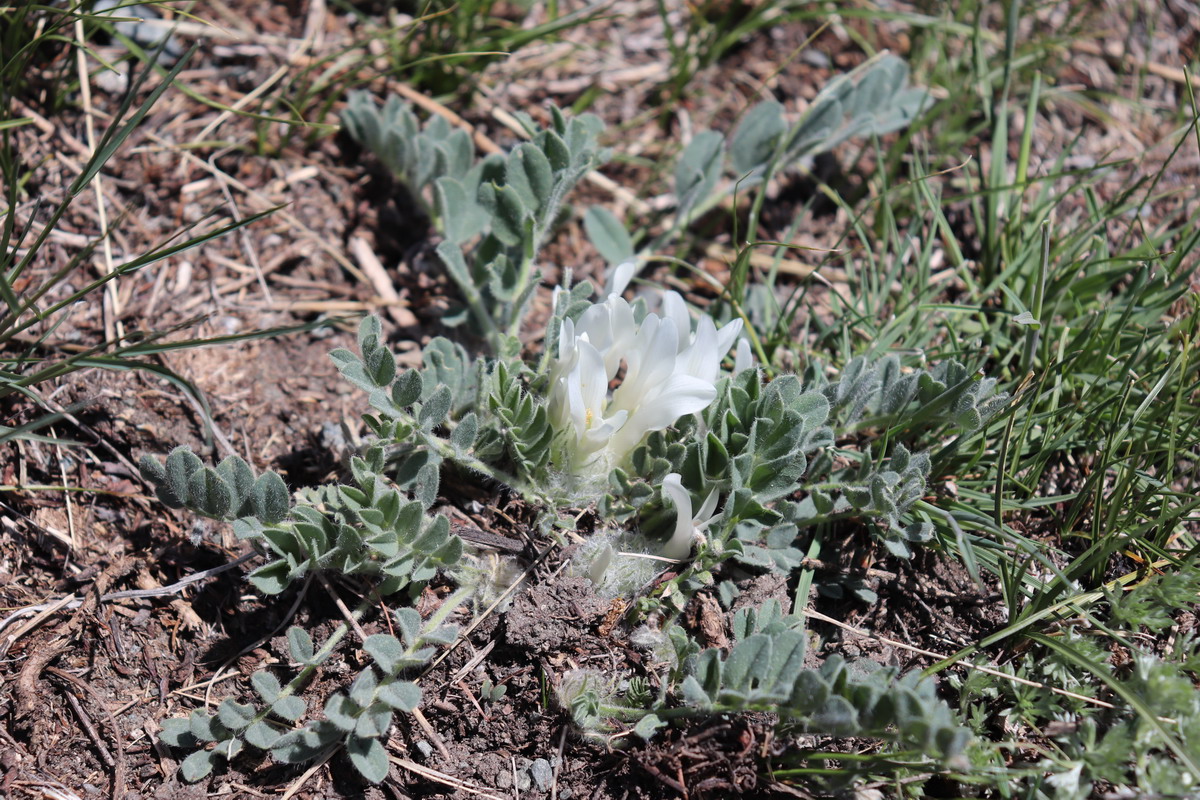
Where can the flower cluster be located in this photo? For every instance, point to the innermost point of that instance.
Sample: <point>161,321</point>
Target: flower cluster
<point>670,371</point>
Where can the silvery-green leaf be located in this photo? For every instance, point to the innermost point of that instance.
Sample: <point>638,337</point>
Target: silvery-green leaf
<point>509,216</point>
<point>815,129</point>
<point>528,172</point>
<point>181,463</point>
<point>369,758</point>
<point>234,715</point>
<point>341,711</point>
<point>461,217</point>
<point>608,235</point>
<point>208,494</point>
<point>304,744</point>
<point>351,368</point>
<point>240,479</point>
<point>270,498</point>
<point>177,732</point>
<point>290,707</point>
<point>749,661</point>
<point>266,684</point>
<point>698,170</point>
<point>386,650</point>
<point>555,149</point>
<point>380,365</point>
<point>152,470</point>
<point>407,388</point>
<point>647,726</point>
<point>435,410</point>
<point>261,735</point>
<point>196,766</point>
<point>373,722</point>
<point>362,690</point>
<point>271,578</point>
<point>463,435</point>
<point>409,622</point>
<point>694,694</point>
<point>400,695</point>
<point>756,137</point>
<point>837,718</point>
<point>206,727</point>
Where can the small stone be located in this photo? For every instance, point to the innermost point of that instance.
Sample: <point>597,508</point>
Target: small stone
<point>543,774</point>
<point>425,747</point>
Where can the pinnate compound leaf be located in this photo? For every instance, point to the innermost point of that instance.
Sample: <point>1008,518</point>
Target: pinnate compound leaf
<point>369,758</point>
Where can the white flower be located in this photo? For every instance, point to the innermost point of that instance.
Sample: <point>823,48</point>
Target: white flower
<point>687,527</point>
<point>669,372</point>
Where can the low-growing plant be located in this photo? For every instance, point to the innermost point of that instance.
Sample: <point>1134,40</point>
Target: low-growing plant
<point>625,408</point>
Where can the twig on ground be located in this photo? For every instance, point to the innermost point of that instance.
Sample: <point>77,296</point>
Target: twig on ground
<point>381,283</point>
<point>43,610</point>
<point>442,778</point>
<point>308,773</point>
<point>118,761</point>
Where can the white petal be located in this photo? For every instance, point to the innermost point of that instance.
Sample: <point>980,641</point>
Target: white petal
<point>679,395</point>
<point>593,383</point>
<point>619,277</point>
<point>680,545</point>
<point>600,564</point>
<point>675,310</point>
<point>726,336</point>
<point>566,339</point>
<point>702,359</point>
<point>704,515</point>
<point>648,364</point>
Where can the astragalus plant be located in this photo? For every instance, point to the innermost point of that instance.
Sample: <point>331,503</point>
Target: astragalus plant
<point>696,463</point>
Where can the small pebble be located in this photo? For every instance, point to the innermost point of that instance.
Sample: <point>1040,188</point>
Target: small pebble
<point>542,773</point>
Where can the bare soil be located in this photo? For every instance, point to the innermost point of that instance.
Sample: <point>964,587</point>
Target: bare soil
<point>83,691</point>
